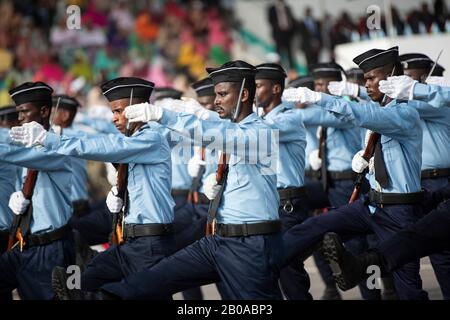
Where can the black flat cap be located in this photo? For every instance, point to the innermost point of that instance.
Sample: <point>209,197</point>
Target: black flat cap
<point>376,58</point>
<point>302,81</point>
<point>355,73</point>
<point>232,71</point>
<point>415,61</point>
<point>32,92</point>
<point>204,87</point>
<point>327,70</point>
<point>166,92</point>
<point>120,88</point>
<point>271,71</point>
<point>438,70</point>
<point>7,110</point>
<point>65,102</point>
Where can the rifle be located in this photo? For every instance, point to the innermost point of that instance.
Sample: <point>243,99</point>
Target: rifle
<point>21,223</point>
<point>221,175</point>
<point>122,192</point>
<point>368,153</point>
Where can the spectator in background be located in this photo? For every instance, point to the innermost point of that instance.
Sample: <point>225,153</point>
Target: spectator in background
<point>310,37</point>
<point>398,23</point>
<point>426,17</point>
<point>440,14</point>
<point>283,26</point>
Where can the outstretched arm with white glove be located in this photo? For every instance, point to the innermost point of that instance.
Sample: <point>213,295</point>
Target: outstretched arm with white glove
<point>29,134</point>
<point>113,202</point>
<point>343,88</point>
<point>18,203</point>
<point>302,95</point>
<point>438,81</point>
<point>398,87</point>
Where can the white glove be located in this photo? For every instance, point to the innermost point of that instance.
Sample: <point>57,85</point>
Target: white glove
<point>143,112</point>
<point>191,106</point>
<point>314,160</point>
<point>359,164</point>
<point>194,165</point>
<point>29,134</point>
<point>371,166</point>
<point>438,81</point>
<point>302,95</point>
<point>18,203</point>
<point>113,202</point>
<point>57,129</point>
<point>398,87</point>
<point>343,88</point>
<point>210,186</point>
<point>111,174</point>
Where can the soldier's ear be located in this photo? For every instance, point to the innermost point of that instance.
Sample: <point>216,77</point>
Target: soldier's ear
<point>276,89</point>
<point>245,94</point>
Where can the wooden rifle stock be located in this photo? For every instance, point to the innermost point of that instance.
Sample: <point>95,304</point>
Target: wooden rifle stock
<point>16,235</point>
<point>368,153</point>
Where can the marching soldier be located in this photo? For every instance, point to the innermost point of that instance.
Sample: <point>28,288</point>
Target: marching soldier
<point>39,232</point>
<point>148,206</point>
<point>395,196</point>
<point>244,249</point>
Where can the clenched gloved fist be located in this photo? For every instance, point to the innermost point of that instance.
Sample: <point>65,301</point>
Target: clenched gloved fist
<point>210,186</point>
<point>398,87</point>
<point>18,203</point>
<point>29,134</point>
<point>113,202</point>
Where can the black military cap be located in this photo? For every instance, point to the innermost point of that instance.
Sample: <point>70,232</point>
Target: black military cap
<point>204,87</point>
<point>32,92</point>
<point>8,111</point>
<point>232,71</point>
<point>271,71</point>
<point>415,61</point>
<point>327,70</point>
<point>355,73</point>
<point>302,81</point>
<point>438,70</point>
<point>167,92</point>
<point>120,88</point>
<point>376,58</point>
<point>65,102</point>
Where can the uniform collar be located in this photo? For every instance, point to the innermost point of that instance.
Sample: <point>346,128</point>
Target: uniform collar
<point>252,117</point>
<point>282,107</point>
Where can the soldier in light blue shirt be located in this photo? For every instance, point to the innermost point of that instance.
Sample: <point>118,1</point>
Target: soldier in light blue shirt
<point>281,116</point>
<point>394,201</point>
<point>244,250</point>
<point>45,225</point>
<point>148,206</point>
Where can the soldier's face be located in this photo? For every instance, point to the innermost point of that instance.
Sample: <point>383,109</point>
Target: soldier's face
<point>225,102</point>
<point>416,74</point>
<point>119,119</point>
<point>264,92</point>
<point>321,84</point>
<point>372,78</point>
<point>207,102</point>
<point>29,112</point>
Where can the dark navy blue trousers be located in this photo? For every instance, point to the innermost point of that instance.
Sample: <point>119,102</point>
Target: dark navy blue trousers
<point>247,266</point>
<point>355,220</point>
<point>440,261</point>
<point>427,236</point>
<point>294,279</point>
<point>118,262</point>
<point>30,271</point>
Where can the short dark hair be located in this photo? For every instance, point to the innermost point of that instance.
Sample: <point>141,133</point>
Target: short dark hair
<point>249,85</point>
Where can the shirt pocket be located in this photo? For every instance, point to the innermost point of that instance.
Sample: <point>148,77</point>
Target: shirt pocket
<point>388,146</point>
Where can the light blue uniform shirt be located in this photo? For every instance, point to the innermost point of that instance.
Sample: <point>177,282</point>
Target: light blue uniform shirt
<point>435,95</point>
<point>79,167</point>
<point>435,123</point>
<point>52,206</point>
<point>292,138</point>
<point>8,177</point>
<point>251,193</point>
<point>149,168</point>
<point>401,138</point>
<point>343,138</point>
<point>99,125</point>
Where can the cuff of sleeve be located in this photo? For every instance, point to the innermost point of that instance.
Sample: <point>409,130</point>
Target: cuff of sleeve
<point>168,117</point>
<point>419,90</point>
<point>51,141</point>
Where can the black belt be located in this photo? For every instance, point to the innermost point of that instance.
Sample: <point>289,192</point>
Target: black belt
<point>291,193</point>
<point>435,173</point>
<point>179,192</point>
<point>80,207</point>
<point>342,175</point>
<point>248,229</point>
<point>148,229</point>
<point>43,239</point>
<point>396,198</point>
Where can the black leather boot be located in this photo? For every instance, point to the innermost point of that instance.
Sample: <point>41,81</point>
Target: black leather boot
<point>348,270</point>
